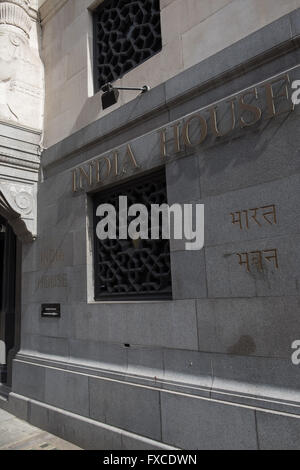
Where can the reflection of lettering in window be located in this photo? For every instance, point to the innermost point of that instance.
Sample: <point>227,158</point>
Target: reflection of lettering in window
<point>126,34</point>
<point>258,259</point>
<point>259,216</point>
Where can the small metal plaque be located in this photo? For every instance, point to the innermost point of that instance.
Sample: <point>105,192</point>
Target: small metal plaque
<point>51,310</point>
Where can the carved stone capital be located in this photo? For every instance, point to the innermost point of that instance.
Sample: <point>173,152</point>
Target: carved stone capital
<point>16,13</point>
<point>18,207</point>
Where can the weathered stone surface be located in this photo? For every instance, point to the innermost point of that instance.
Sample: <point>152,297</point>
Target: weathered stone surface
<point>183,181</point>
<point>207,425</point>
<point>67,391</point>
<point>268,378</point>
<point>170,324</point>
<point>189,276</point>
<point>29,380</point>
<point>264,326</point>
<point>269,438</point>
<point>132,408</point>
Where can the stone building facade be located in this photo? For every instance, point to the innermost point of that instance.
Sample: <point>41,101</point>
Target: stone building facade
<point>210,364</point>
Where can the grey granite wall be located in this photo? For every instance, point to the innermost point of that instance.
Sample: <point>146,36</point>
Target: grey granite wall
<point>212,368</point>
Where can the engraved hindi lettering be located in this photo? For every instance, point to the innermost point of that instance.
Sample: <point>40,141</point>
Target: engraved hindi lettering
<point>259,215</point>
<point>257,259</point>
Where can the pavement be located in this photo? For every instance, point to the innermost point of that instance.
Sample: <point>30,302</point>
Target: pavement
<point>16,434</point>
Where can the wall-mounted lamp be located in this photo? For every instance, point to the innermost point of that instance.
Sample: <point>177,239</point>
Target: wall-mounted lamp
<point>111,94</point>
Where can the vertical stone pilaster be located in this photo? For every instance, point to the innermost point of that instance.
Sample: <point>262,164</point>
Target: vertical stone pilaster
<point>21,115</point>
<point>21,69</point>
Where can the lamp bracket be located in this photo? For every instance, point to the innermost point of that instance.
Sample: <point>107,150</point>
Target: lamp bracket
<point>109,87</point>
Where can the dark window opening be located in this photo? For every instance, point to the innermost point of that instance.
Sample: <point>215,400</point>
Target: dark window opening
<point>133,269</point>
<point>7,293</point>
<point>126,33</point>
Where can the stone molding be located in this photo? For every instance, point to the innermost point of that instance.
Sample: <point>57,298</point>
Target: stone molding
<point>49,9</point>
<point>9,159</point>
<point>263,396</point>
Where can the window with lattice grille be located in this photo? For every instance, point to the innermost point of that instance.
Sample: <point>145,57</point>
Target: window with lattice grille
<point>133,269</point>
<point>126,33</point>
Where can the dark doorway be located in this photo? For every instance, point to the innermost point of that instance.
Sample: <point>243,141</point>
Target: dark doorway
<point>8,251</point>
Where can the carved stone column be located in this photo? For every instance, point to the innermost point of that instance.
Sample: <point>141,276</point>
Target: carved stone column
<point>21,69</point>
<point>21,114</point>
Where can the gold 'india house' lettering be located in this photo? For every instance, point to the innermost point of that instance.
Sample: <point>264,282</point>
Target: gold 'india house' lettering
<point>99,170</point>
<point>245,110</point>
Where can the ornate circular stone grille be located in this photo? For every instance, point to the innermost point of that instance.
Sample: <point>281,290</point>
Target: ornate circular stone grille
<point>126,33</point>
<point>133,269</point>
